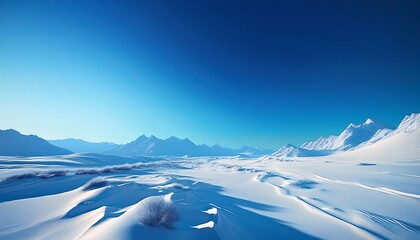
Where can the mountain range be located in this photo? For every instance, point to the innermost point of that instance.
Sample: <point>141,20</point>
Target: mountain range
<point>353,137</point>
<point>81,146</point>
<point>153,146</point>
<point>12,143</point>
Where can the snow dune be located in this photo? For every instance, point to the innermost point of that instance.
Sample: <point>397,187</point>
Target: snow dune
<point>372,192</point>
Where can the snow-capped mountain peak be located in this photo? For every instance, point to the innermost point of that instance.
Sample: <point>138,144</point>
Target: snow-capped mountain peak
<point>352,136</point>
<point>409,123</point>
<point>368,121</point>
<point>287,150</point>
<point>174,146</point>
<point>290,150</point>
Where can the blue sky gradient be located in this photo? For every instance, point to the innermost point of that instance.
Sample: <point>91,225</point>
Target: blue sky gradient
<point>261,73</point>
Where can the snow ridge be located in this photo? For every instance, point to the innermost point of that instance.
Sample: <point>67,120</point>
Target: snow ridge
<point>409,123</point>
<point>353,137</point>
<point>292,151</point>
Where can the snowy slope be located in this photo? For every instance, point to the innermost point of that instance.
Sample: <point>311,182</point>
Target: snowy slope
<point>368,193</point>
<point>409,124</point>
<point>352,136</point>
<point>320,143</point>
<point>12,143</point>
<point>398,147</point>
<point>371,192</point>
<point>292,151</point>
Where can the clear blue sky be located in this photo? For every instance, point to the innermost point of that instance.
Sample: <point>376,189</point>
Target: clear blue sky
<point>260,73</point>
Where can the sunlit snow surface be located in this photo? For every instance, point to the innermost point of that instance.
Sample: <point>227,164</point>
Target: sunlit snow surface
<point>369,193</point>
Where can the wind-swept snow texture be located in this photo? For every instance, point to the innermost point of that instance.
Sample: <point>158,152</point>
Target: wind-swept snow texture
<point>97,182</point>
<point>370,192</point>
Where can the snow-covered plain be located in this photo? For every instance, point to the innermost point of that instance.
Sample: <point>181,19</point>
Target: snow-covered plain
<point>371,192</point>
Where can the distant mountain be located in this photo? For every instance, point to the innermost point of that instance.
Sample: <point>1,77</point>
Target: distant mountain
<point>153,146</point>
<point>353,137</point>
<point>253,151</point>
<point>12,143</point>
<point>81,146</point>
<point>408,124</point>
<point>173,146</point>
<point>292,151</point>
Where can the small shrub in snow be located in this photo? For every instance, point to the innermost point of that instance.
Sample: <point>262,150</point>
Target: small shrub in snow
<point>97,182</point>
<point>178,186</point>
<point>304,183</point>
<point>157,211</point>
<point>123,167</point>
<point>106,169</point>
<point>52,173</point>
<point>86,171</point>
<point>19,176</point>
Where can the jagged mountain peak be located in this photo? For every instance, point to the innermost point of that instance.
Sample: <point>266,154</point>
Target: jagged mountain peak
<point>368,121</point>
<point>173,138</point>
<point>142,138</point>
<point>153,137</point>
<point>288,145</point>
<point>372,121</point>
<point>174,146</point>
<point>409,123</point>
<point>354,136</point>
<point>290,150</point>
